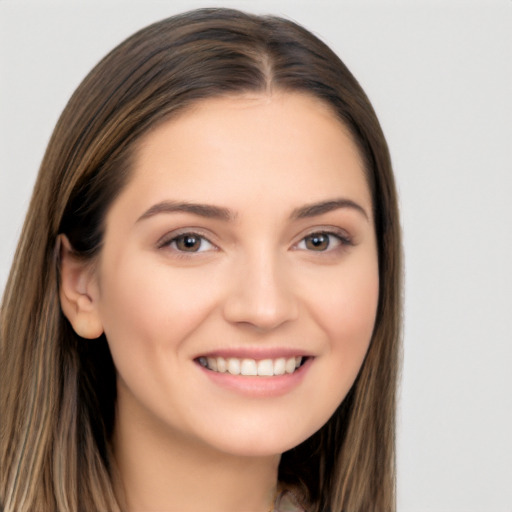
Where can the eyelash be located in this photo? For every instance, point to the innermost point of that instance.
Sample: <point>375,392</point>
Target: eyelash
<point>341,237</point>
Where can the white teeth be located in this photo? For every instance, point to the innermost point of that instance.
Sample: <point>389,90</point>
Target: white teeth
<point>212,363</point>
<point>290,365</point>
<point>266,368</point>
<point>234,366</point>
<point>248,367</point>
<point>279,366</point>
<point>251,367</point>
<point>222,366</point>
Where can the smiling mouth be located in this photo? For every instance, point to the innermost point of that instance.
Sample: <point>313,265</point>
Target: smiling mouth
<point>252,367</point>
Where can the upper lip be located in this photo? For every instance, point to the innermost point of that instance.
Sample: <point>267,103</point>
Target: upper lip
<point>256,353</point>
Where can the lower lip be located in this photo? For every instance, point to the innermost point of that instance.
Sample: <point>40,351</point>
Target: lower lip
<point>259,386</point>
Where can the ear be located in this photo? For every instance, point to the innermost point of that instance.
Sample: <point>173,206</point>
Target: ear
<point>79,292</point>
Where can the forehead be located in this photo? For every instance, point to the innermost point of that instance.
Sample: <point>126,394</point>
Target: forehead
<point>285,147</point>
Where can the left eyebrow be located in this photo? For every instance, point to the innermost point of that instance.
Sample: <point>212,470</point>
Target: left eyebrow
<point>315,209</point>
<point>202,210</point>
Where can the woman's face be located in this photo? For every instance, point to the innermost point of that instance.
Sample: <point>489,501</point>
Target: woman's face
<point>244,242</point>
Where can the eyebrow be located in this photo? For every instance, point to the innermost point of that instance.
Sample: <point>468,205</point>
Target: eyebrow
<point>315,209</point>
<point>203,210</point>
<point>225,214</point>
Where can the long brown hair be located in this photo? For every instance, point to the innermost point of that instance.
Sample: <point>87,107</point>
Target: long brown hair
<point>58,390</point>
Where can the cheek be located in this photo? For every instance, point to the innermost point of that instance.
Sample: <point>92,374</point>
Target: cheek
<point>356,307</point>
<point>344,308</point>
<point>148,316</point>
<point>346,312</point>
<point>153,309</point>
<point>346,305</point>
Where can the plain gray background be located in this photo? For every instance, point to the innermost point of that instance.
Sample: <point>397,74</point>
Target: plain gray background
<point>440,77</point>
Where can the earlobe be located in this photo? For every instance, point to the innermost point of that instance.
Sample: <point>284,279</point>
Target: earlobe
<point>78,292</point>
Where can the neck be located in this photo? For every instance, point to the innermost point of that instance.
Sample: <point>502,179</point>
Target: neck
<point>162,470</point>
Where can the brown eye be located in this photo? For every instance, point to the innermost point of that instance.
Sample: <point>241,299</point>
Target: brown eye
<point>190,242</point>
<point>324,241</point>
<point>317,242</point>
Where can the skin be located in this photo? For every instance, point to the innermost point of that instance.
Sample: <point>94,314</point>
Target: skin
<point>256,282</point>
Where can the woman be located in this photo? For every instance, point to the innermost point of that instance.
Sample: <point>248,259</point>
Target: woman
<point>203,311</point>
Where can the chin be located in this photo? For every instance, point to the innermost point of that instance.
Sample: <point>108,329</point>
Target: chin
<point>265,440</point>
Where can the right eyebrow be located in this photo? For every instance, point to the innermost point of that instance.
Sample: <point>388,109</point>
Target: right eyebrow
<point>202,210</point>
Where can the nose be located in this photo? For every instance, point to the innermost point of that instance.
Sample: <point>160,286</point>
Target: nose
<point>261,294</point>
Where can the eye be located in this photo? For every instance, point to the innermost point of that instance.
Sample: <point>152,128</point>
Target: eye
<point>322,241</point>
<point>189,242</point>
